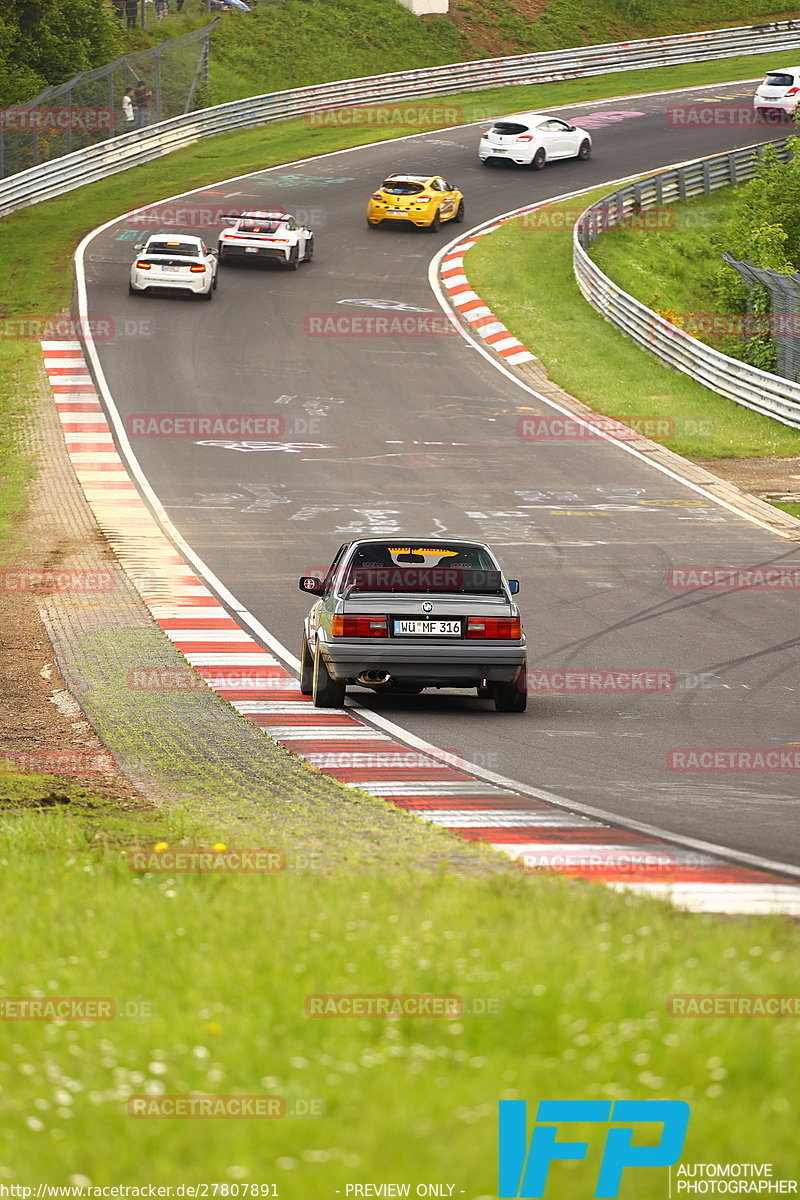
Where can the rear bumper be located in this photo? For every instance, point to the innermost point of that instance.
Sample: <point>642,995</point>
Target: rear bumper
<point>783,106</point>
<point>255,252</point>
<point>439,662</point>
<point>520,160</point>
<point>145,280</point>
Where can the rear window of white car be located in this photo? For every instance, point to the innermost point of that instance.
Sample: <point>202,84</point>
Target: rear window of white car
<point>260,226</point>
<point>509,128</point>
<point>182,248</point>
<point>779,79</point>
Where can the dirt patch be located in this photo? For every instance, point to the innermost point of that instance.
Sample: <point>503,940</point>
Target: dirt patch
<point>773,479</point>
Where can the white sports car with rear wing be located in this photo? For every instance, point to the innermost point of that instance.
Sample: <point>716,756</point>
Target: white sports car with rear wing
<point>270,234</point>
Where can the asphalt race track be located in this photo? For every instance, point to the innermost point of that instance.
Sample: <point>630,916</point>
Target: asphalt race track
<point>416,436</point>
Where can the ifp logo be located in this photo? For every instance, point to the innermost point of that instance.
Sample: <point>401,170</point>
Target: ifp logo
<point>524,1168</point>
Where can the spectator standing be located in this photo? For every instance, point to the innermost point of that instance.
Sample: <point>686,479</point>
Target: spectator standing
<point>162,9</point>
<point>131,12</point>
<point>143,96</point>
<point>128,110</point>
<point>119,9</point>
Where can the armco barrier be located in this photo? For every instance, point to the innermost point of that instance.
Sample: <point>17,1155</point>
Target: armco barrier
<point>86,166</point>
<point>768,394</point>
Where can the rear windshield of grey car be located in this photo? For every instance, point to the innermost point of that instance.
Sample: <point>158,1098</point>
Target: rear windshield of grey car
<point>394,567</point>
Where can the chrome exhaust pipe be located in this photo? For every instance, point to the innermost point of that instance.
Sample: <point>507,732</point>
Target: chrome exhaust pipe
<point>374,679</point>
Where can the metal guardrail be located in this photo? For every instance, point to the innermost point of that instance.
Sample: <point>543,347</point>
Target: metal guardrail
<point>738,381</point>
<point>56,177</point>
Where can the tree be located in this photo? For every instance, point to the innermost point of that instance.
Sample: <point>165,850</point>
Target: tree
<point>45,42</point>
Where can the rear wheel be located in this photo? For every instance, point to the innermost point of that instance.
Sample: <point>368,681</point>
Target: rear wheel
<point>488,162</point>
<point>132,291</point>
<point>585,150</point>
<point>293,261</point>
<point>539,159</point>
<point>309,254</point>
<point>459,217</point>
<point>221,254</point>
<point>306,669</point>
<point>512,697</point>
<point>372,224</point>
<point>209,295</point>
<point>434,224</point>
<point>327,692</point>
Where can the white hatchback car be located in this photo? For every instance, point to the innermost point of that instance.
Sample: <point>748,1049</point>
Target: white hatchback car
<point>533,139</point>
<point>174,261</point>
<point>779,92</point>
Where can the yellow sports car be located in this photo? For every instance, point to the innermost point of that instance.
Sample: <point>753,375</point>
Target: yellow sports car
<point>424,200</point>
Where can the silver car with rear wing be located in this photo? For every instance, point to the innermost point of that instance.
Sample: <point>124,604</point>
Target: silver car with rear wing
<point>268,234</point>
<point>405,615</point>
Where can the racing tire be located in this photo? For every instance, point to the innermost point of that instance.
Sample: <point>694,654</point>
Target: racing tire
<point>306,669</point>
<point>293,261</point>
<point>585,151</point>
<point>459,217</point>
<point>132,291</point>
<point>512,697</point>
<point>488,162</point>
<point>309,254</point>
<point>433,227</point>
<point>215,281</point>
<point>327,692</point>
<point>221,256</point>
<point>539,159</point>
<point>372,224</point>
<point>209,295</point>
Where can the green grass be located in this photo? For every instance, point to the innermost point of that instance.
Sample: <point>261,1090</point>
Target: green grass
<point>225,964</point>
<point>341,39</point>
<point>525,275</point>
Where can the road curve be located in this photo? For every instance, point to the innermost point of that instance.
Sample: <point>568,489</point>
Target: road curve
<point>417,434</point>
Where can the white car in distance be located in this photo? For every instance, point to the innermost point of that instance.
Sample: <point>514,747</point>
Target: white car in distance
<point>272,234</point>
<point>779,92</point>
<point>533,139</point>
<point>178,261</point>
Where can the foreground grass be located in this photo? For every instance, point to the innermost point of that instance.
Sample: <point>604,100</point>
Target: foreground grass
<point>524,273</point>
<point>221,966</point>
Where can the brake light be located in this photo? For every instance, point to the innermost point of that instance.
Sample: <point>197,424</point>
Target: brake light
<point>423,199</point>
<point>197,267</point>
<point>494,627</point>
<point>359,626</point>
<point>525,137</point>
<point>793,91</point>
<point>142,265</point>
<point>377,196</point>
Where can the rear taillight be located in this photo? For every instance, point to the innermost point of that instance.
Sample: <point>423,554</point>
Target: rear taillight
<point>377,196</point>
<point>197,267</point>
<point>793,91</point>
<point>525,137</point>
<point>360,626</point>
<point>423,199</point>
<point>142,265</point>
<point>494,627</point>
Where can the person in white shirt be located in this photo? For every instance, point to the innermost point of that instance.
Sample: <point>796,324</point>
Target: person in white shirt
<point>127,109</point>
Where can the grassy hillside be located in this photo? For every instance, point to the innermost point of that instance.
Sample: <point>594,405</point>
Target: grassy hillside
<point>298,42</point>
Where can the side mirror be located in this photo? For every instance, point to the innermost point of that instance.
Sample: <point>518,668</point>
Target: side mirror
<point>310,583</point>
<point>513,586</point>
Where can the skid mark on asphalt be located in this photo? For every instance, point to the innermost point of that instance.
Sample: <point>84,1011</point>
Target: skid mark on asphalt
<point>435,785</point>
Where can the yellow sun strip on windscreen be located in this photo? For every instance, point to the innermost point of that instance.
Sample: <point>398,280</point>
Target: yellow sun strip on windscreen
<point>422,550</point>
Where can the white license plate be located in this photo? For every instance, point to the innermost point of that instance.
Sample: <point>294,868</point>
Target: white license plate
<point>171,270</point>
<point>397,212</point>
<point>427,629</point>
<point>251,249</point>
<point>496,151</point>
